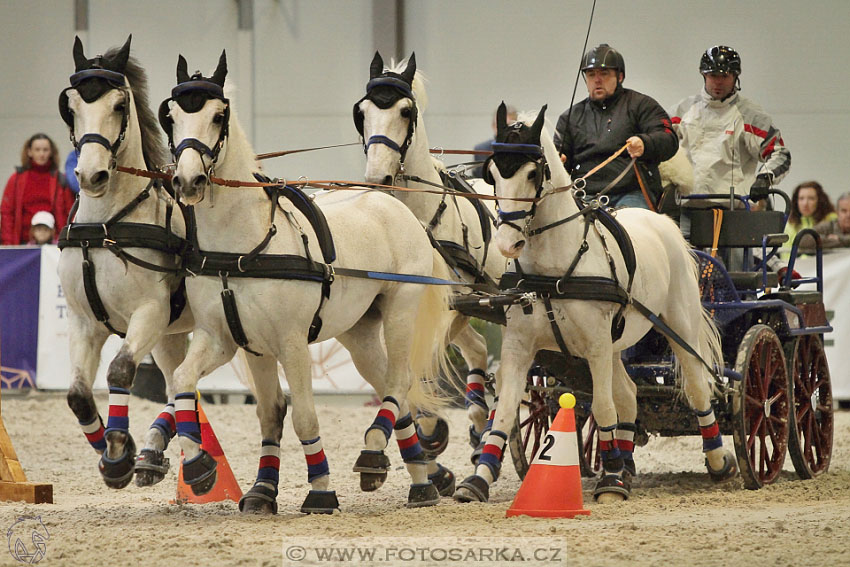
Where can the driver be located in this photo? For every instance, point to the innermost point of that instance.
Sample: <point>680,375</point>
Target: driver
<point>729,139</point>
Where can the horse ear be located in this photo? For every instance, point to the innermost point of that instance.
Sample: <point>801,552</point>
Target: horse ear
<point>182,70</point>
<point>537,127</point>
<point>376,68</point>
<point>123,55</point>
<point>410,71</point>
<point>501,119</point>
<point>80,61</point>
<point>221,70</point>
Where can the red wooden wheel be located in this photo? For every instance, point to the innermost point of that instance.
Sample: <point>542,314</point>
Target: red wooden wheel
<point>811,423</point>
<point>761,407</point>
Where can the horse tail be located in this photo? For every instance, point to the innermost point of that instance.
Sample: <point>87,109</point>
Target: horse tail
<point>429,356</point>
<point>710,346</point>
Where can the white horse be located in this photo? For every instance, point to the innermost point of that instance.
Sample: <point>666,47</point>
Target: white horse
<point>548,237</point>
<point>275,293</point>
<point>120,259</point>
<point>389,118</point>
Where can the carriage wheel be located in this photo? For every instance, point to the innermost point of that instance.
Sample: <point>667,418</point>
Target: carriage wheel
<point>811,425</point>
<point>533,418</point>
<point>761,407</point>
<point>590,459</point>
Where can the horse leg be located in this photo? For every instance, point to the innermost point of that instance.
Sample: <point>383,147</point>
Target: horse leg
<point>85,346</point>
<point>152,464</point>
<point>473,348</point>
<point>145,329</point>
<point>625,400</point>
<point>271,411</point>
<point>614,485</point>
<point>205,355</point>
<point>296,365</point>
<point>517,357</point>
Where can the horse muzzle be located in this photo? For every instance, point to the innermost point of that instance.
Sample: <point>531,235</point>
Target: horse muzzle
<point>190,188</point>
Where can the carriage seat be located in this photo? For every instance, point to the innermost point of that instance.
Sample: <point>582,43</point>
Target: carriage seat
<point>795,297</point>
<point>739,229</point>
<point>753,280</point>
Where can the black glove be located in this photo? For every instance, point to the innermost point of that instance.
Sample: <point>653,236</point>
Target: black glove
<point>760,187</point>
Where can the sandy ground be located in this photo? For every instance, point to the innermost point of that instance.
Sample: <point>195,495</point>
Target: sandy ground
<point>675,516</point>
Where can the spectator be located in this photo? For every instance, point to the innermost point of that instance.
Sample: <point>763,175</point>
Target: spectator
<point>611,116</point>
<point>810,205</point>
<point>43,228</point>
<point>834,233</point>
<point>729,139</point>
<point>35,186</point>
<point>487,145</point>
<point>70,176</point>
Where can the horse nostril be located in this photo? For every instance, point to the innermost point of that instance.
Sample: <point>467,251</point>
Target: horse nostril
<point>388,180</point>
<point>99,178</point>
<point>519,245</point>
<point>199,181</point>
<point>176,183</point>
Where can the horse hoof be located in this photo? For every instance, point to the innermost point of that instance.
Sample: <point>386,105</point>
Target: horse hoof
<point>727,472</point>
<point>612,488</point>
<point>117,473</point>
<point>422,495</point>
<point>373,467</point>
<point>200,473</point>
<point>259,500</point>
<point>473,489</point>
<point>151,466</point>
<point>444,480</point>
<point>434,445</point>
<point>320,502</point>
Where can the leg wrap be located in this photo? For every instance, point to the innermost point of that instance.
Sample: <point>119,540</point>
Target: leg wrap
<point>118,419</point>
<point>386,418</point>
<point>625,439</point>
<point>166,423</point>
<point>186,413</point>
<point>269,471</point>
<point>317,463</point>
<point>710,431</point>
<point>94,432</point>
<point>408,442</point>
<point>475,388</point>
<point>494,451</point>
<point>612,460</point>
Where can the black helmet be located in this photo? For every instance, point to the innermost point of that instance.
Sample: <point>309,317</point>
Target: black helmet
<point>603,56</point>
<point>720,59</point>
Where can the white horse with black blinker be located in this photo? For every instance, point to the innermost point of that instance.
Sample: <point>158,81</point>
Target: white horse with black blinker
<point>394,331</point>
<point>120,259</point>
<point>390,120</point>
<point>665,281</point>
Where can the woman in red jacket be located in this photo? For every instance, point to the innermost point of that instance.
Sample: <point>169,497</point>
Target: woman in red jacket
<point>35,186</point>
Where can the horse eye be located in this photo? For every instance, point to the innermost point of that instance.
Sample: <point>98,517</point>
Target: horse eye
<point>531,175</point>
<point>405,113</point>
<point>119,107</point>
<point>218,119</point>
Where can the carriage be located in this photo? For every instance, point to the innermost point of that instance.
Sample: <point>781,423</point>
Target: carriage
<point>777,397</point>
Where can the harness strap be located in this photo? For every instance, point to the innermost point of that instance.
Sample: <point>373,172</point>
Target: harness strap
<point>556,330</point>
<point>231,314</point>
<point>643,189</point>
<point>90,285</point>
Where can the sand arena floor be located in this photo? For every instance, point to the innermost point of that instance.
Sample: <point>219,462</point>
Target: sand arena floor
<point>674,517</point>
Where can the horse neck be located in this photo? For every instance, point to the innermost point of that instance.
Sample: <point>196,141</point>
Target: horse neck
<point>234,218</point>
<point>553,249</point>
<point>418,163</point>
<point>124,187</point>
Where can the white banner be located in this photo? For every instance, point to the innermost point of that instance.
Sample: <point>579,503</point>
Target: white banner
<point>333,371</point>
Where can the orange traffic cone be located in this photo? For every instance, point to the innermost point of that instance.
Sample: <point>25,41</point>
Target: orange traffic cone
<point>226,487</point>
<point>552,486</point>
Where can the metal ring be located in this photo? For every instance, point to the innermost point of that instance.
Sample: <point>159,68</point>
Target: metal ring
<point>604,200</point>
<point>580,184</point>
<point>239,264</point>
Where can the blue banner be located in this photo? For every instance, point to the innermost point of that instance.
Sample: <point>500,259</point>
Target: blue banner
<point>19,285</point>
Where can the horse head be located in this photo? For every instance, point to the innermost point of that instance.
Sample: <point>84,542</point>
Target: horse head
<point>517,170</point>
<point>97,109</point>
<point>386,118</point>
<point>196,117</point>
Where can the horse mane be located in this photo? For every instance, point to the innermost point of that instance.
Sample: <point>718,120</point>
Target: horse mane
<point>153,146</point>
<point>237,141</point>
<point>560,176</point>
<point>419,80</point>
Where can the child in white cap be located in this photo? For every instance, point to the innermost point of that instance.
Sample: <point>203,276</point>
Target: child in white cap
<point>42,228</point>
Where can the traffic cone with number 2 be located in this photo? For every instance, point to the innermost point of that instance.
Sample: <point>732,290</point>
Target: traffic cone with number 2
<point>552,485</point>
